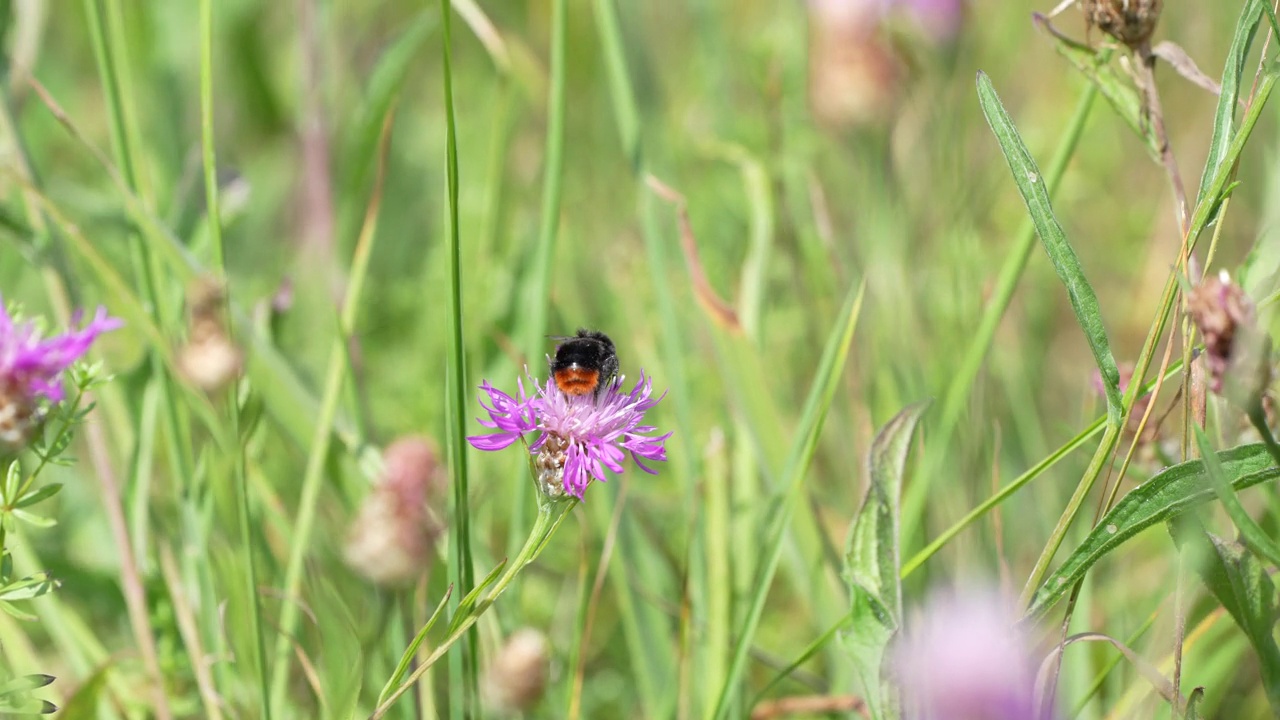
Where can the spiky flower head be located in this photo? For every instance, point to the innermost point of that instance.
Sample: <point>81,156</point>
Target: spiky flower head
<point>578,437</point>
<point>31,368</point>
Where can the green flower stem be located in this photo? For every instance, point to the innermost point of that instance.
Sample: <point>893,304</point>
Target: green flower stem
<point>550,515</point>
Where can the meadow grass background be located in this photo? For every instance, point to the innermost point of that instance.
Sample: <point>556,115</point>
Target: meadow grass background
<point>789,214</point>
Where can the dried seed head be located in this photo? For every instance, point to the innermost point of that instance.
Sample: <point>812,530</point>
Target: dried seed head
<point>1129,21</point>
<point>1236,351</point>
<point>516,679</point>
<point>19,416</point>
<point>395,532</point>
<point>209,360</point>
<point>854,76</point>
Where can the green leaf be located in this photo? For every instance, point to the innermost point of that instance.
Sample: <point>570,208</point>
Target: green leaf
<point>872,558</point>
<point>28,587</point>
<point>83,704</point>
<point>12,480</point>
<point>43,493</point>
<point>806,440</point>
<point>1031,185</point>
<point>1224,118</point>
<point>1164,496</point>
<point>412,651</point>
<point>1124,99</point>
<point>25,683</point>
<point>1244,588</point>
<point>12,611</point>
<point>26,706</point>
<point>1254,537</point>
<point>1193,704</point>
<point>468,604</point>
<point>32,519</point>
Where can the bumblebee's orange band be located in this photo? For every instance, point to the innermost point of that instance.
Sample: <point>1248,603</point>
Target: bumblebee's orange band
<point>577,381</point>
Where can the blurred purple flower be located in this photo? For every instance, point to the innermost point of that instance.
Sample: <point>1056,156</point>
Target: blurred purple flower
<point>32,367</point>
<point>940,19</point>
<point>964,659</point>
<point>579,436</point>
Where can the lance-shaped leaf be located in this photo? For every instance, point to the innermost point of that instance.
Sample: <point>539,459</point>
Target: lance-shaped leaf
<point>872,560</point>
<point>1162,497</point>
<point>1031,185</point>
<point>1242,585</point>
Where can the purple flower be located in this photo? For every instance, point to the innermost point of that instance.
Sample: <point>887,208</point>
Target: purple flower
<point>579,436</point>
<point>964,659</point>
<point>32,367</point>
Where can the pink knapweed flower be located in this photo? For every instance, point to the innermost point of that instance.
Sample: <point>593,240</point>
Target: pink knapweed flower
<point>963,658</point>
<point>578,436</point>
<point>31,367</point>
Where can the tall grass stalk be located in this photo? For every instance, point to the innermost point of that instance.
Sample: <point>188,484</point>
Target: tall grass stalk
<point>236,450</point>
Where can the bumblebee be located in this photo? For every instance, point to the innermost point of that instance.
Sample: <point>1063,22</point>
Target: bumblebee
<point>584,363</point>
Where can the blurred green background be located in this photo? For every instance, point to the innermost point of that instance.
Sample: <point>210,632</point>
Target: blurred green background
<point>815,151</point>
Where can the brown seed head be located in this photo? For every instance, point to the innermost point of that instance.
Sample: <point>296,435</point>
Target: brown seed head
<point>516,679</point>
<point>1235,350</point>
<point>18,416</point>
<point>1129,21</point>
<point>394,534</point>
<point>209,360</point>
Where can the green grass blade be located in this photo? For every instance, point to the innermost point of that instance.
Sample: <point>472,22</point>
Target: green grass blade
<point>1164,496</point>
<point>1016,484</point>
<point>462,671</point>
<point>1243,586</point>
<point>236,449</point>
<point>872,562</point>
<point>1007,281</point>
<point>319,450</point>
<point>406,660</point>
<point>1224,117</point>
<point>815,410</point>
<point>1031,185</point>
<point>1253,536</point>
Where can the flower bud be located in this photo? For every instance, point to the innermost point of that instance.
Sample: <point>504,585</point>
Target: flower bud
<point>395,532</point>
<point>854,75</point>
<point>1236,350</point>
<point>515,680</point>
<point>209,360</point>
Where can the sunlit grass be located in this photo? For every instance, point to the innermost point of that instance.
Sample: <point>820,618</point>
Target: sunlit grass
<point>795,245</point>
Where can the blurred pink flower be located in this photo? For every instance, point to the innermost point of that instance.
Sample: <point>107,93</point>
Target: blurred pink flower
<point>941,20</point>
<point>963,658</point>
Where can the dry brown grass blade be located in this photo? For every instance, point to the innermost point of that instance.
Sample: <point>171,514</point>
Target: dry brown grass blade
<point>1180,61</point>
<point>719,310</point>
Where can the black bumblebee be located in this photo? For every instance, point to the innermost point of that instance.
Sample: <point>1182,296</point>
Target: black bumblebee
<point>584,363</point>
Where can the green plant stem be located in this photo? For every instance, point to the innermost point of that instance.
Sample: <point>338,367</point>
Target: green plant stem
<point>1204,212</point>
<point>236,448</point>
<point>465,674</point>
<point>1015,265</point>
<point>549,518</point>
